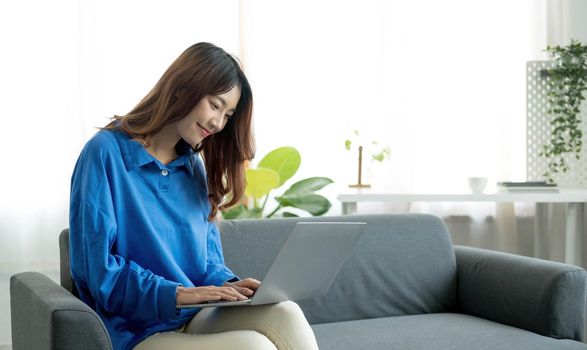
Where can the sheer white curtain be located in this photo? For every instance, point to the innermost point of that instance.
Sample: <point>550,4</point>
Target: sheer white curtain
<point>39,118</point>
<point>66,68</point>
<point>441,83</point>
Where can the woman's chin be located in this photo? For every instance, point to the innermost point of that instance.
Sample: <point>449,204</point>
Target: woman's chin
<point>193,142</point>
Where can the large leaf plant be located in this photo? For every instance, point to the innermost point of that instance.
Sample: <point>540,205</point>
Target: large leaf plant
<point>272,172</point>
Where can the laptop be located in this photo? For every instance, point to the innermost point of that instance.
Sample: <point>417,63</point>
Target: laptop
<point>306,266</point>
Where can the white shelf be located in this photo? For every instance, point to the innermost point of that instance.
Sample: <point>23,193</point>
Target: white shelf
<point>565,195</point>
<point>574,198</point>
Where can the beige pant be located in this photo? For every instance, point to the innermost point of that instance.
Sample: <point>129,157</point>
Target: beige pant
<point>280,326</point>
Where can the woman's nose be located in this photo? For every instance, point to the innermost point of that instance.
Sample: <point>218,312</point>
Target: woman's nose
<point>215,124</point>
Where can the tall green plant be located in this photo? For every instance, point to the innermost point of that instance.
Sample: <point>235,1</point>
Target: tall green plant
<point>566,85</point>
<point>273,171</point>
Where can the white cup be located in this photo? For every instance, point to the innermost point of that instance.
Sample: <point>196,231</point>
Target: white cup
<point>477,184</point>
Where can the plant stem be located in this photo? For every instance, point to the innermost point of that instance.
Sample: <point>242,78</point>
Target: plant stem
<point>265,202</point>
<point>275,211</point>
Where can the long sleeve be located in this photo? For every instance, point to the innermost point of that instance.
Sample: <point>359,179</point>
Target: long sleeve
<point>117,285</point>
<point>216,272</point>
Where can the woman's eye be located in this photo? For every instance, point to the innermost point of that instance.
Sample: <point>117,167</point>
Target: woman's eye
<point>227,116</point>
<point>214,106</point>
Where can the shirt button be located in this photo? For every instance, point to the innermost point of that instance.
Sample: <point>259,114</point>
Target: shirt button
<point>164,172</point>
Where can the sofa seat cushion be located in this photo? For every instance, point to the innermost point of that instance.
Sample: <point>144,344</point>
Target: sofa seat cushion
<point>433,331</point>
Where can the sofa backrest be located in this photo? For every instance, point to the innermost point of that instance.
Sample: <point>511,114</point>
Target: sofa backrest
<point>64,266</point>
<point>402,265</point>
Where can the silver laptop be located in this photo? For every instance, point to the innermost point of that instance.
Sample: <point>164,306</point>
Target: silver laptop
<point>306,265</point>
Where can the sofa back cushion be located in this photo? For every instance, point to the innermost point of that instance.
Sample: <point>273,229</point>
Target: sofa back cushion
<point>402,265</point>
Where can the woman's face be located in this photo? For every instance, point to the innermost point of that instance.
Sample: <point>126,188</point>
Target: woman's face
<point>209,116</point>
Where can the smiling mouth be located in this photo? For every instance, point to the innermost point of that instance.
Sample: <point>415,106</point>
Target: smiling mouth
<point>204,130</point>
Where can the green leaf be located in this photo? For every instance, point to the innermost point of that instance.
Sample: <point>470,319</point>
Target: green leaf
<point>566,84</point>
<point>312,203</point>
<point>285,161</point>
<point>233,213</point>
<point>254,213</point>
<point>241,212</point>
<point>260,182</point>
<point>287,214</point>
<point>347,144</point>
<point>309,185</point>
<point>380,156</point>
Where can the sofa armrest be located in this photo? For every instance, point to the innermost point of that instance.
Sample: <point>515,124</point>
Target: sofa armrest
<point>46,316</point>
<point>541,296</point>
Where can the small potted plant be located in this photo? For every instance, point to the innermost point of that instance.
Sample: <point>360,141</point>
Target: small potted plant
<point>378,153</point>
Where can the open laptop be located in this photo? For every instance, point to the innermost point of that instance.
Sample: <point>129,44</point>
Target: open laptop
<point>306,265</point>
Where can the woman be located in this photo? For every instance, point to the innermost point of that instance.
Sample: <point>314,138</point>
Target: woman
<point>142,210</point>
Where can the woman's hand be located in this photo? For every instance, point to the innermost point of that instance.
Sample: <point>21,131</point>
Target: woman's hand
<point>247,287</point>
<point>197,295</point>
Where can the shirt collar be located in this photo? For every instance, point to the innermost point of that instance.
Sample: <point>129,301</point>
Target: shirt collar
<point>184,160</point>
<point>135,155</point>
<point>186,157</point>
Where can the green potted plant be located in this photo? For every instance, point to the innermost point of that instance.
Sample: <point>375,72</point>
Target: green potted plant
<point>272,172</point>
<point>378,153</point>
<point>567,81</point>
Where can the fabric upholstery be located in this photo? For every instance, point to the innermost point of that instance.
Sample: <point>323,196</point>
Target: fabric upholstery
<point>402,265</point>
<point>403,288</point>
<point>433,331</point>
<point>542,296</point>
<point>64,267</point>
<point>46,316</point>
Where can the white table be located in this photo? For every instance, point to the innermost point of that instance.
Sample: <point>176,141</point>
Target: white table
<point>575,200</point>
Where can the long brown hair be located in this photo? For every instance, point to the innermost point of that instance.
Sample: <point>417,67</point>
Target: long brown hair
<point>203,69</point>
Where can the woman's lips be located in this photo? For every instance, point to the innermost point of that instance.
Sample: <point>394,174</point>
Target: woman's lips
<point>203,130</point>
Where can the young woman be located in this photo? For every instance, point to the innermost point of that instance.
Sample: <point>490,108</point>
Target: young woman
<point>144,195</point>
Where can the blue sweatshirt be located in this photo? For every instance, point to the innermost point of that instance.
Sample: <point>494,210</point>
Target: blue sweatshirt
<point>138,230</point>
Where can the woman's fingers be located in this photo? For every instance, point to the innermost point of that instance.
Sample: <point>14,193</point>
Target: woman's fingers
<point>247,287</point>
<point>194,295</point>
<point>250,283</point>
<point>244,291</point>
<point>230,293</point>
<point>224,293</point>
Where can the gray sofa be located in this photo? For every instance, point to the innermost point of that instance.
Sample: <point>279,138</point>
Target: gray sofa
<point>405,287</point>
